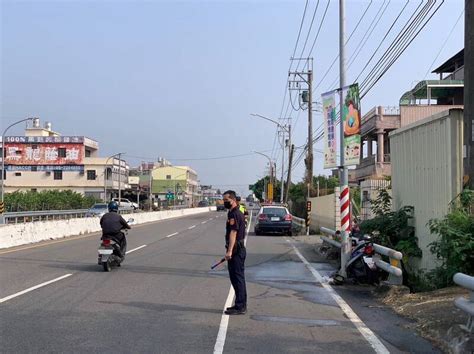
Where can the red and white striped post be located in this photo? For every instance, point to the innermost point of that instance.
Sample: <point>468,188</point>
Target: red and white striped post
<point>345,228</point>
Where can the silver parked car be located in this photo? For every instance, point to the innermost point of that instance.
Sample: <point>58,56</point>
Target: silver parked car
<point>98,209</point>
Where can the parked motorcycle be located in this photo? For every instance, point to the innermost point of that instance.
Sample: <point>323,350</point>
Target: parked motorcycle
<point>111,252</point>
<point>361,265</point>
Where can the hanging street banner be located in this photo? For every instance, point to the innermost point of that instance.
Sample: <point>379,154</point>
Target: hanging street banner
<point>330,141</point>
<point>352,121</point>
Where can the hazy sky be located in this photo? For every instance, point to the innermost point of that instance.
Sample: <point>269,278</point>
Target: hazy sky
<point>178,79</point>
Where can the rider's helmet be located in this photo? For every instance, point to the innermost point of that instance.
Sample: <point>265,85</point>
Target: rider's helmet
<point>113,206</point>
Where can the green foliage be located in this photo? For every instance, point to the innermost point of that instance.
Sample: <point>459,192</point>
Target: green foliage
<point>355,197</point>
<point>47,200</point>
<point>392,228</point>
<point>455,244</point>
<point>382,204</point>
<point>258,188</point>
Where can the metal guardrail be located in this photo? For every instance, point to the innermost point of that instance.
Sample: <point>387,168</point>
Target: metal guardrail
<point>467,305</point>
<point>45,215</point>
<point>299,221</point>
<point>393,268</point>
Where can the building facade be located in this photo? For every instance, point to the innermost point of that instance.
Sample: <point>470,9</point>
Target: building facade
<point>180,181</point>
<point>45,160</point>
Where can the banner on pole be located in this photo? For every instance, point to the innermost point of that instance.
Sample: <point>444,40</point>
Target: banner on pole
<point>329,116</point>
<point>352,121</point>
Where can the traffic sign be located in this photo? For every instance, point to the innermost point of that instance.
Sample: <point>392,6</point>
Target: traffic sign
<point>170,196</point>
<point>308,206</point>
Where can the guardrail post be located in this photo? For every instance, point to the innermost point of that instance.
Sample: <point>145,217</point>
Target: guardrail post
<point>467,305</point>
<point>393,279</point>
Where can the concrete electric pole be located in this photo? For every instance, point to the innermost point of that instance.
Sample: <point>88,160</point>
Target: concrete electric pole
<point>469,92</point>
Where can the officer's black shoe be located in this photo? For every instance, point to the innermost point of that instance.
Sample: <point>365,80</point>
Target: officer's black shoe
<point>230,308</point>
<point>235,311</point>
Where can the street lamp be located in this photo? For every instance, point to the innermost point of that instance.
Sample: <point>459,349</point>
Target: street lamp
<point>271,168</point>
<point>3,156</point>
<point>105,174</point>
<point>287,129</point>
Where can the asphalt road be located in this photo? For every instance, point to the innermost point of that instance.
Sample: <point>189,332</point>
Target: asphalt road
<point>165,299</point>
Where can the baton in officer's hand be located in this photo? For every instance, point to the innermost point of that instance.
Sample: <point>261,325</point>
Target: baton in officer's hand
<point>218,263</point>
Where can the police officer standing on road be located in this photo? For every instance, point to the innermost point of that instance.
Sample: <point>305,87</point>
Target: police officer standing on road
<point>236,253</point>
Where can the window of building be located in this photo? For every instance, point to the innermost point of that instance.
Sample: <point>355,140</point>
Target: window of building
<point>58,175</point>
<point>17,174</point>
<point>62,152</point>
<point>88,153</point>
<point>34,147</point>
<point>168,176</point>
<point>34,168</point>
<point>34,190</point>
<point>91,175</point>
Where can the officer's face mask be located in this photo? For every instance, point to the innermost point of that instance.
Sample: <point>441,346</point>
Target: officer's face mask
<point>227,204</point>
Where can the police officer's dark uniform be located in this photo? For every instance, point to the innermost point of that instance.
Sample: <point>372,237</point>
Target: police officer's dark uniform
<point>236,265</point>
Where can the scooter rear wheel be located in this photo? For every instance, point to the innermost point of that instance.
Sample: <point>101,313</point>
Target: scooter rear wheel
<point>106,266</point>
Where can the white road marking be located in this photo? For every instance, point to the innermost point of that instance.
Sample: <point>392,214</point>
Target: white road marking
<point>203,222</point>
<point>135,249</point>
<point>191,227</point>
<point>34,288</point>
<point>370,336</point>
<point>174,234</point>
<point>220,341</point>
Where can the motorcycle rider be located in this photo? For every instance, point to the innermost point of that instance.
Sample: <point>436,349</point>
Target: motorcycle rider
<point>112,224</point>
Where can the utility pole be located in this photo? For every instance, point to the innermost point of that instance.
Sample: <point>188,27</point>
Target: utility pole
<point>290,162</point>
<point>305,77</point>
<point>344,178</point>
<point>150,182</point>
<point>282,169</point>
<point>469,92</point>
<point>120,178</point>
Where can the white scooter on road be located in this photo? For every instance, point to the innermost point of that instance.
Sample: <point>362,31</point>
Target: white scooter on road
<point>110,252</point>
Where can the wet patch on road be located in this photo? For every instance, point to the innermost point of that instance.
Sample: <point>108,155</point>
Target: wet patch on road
<point>293,320</point>
<point>292,276</point>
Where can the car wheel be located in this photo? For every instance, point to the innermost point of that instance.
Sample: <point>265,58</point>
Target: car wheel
<point>257,232</point>
<point>290,233</point>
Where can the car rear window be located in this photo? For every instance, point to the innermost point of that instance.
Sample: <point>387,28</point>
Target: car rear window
<point>274,211</point>
<point>99,206</point>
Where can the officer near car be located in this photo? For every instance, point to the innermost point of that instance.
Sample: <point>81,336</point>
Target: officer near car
<point>243,209</point>
<point>235,253</point>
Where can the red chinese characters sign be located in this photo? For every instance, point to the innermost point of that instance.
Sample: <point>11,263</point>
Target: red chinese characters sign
<point>44,154</point>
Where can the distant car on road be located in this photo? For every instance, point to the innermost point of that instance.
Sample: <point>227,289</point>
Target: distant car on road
<point>274,219</point>
<point>220,205</point>
<point>126,204</point>
<point>98,209</point>
<point>203,203</point>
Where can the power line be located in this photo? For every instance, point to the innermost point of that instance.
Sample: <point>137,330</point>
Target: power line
<point>367,88</point>
<point>383,39</point>
<point>365,38</point>
<point>197,159</point>
<point>319,29</point>
<point>411,23</point>
<point>307,35</point>
<point>345,43</point>
<point>444,44</point>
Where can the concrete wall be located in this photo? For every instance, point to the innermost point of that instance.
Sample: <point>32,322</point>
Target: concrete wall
<point>427,171</point>
<point>21,234</point>
<point>325,211</point>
